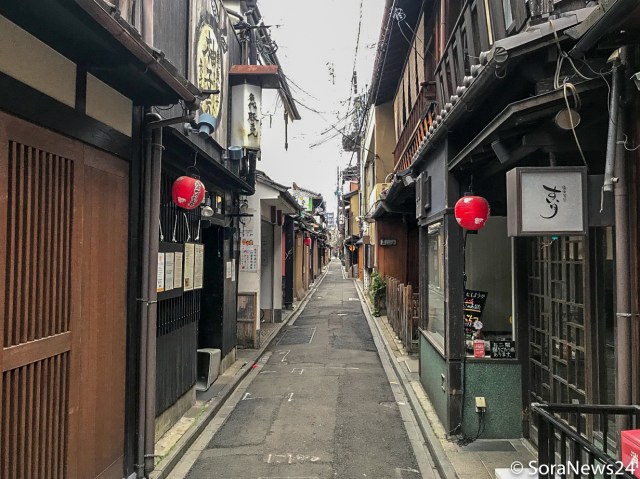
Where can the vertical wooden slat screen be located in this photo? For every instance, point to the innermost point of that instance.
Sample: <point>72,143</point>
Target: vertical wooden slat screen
<point>34,400</point>
<point>36,310</point>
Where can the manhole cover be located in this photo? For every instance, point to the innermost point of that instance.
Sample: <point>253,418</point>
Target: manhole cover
<point>297,335</point>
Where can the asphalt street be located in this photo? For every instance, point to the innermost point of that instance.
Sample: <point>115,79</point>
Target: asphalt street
<point>319,405</point>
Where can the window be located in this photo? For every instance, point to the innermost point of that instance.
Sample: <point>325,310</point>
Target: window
<point>436,290</point>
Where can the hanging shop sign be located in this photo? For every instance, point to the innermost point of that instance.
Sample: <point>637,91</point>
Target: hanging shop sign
<point>545,201</point>
<point>189,255</point>
<point>188,192</point>
<point>246,103</point>
<point>472,212</point>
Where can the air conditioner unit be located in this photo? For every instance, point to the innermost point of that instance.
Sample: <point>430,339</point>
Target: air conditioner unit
<point>208,367</point>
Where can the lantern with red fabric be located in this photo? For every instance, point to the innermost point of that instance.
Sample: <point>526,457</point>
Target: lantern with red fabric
<point>307,241</point>
<point>188,192</point>
<point>472,212</point>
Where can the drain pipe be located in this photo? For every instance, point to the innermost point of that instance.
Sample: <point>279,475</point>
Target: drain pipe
<point>624,351</point>
<point>143,302</point>
<point>612,136</point>
<point>154,168</point>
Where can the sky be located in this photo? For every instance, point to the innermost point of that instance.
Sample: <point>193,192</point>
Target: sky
<point>316,48</point>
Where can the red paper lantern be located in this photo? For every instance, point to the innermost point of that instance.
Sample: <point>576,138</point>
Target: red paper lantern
<point>187,192</point>
<point>307,241</point>
<point>472,212</point>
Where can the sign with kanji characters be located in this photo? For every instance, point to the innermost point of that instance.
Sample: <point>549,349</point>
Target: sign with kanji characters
<point>473,306</point>
<point>503,349</point>
<point>246,121</point>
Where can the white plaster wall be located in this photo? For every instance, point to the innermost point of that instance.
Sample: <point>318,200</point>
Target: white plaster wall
<point>277,267</point>
<point>249,282</point>
<point>27,59</point>
<point>109,106</point>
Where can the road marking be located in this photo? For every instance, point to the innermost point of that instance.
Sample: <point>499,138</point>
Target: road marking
<point>342,367</point>
<point>267,372</point>
<point>342,314</point>
<point>290,397</point>
<point>312,335</point>
<point>289,458</point>
<point>297,370</point>
<point>286,353</point>
<point>249,396</point>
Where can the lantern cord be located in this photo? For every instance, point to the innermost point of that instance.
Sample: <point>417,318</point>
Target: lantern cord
<point>161,233</point>
<point>175,225</point>
<point>186,221</point>
<point>197,238</point>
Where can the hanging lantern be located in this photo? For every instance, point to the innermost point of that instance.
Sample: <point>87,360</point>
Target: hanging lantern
<point>307,241</point>
<point>187,192</point>
<point>472,212</point>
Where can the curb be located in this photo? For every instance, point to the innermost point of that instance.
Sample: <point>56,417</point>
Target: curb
<point>166,466</point>
<point>432,442</point>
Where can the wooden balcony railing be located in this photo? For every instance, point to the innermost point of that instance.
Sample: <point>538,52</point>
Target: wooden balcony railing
<point>415,128</point>
<point>471,35</point>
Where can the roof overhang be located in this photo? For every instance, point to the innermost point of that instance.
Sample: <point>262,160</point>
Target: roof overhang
<point>610,17</point>
<point>520,115</point>
<point>504,54</point>
<point>92,34</point>
<point>264,75</point>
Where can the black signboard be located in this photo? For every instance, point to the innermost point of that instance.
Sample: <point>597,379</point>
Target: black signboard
<point>474,302</point>
<point>503,349</point>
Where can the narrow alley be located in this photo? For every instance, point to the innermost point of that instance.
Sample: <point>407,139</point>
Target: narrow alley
<point>319,404</point>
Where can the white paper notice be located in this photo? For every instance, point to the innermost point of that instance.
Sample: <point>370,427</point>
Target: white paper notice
<point>160,275</point>
<point>233,270</point>
<point>228,270</point>
<point>198,266</point>
<point>189,253</point>
<point>177,270</point>
<point>169,265</point>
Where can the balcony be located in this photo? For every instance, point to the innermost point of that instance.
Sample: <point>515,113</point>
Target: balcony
<point>415,128</point>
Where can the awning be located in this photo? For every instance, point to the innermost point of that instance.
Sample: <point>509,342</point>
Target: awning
<point>519,117</point>
<point>211,170</point>
<point>92,34</point>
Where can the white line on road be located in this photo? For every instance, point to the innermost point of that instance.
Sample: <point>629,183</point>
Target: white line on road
<point>290,397</point>
<point>286,353</point>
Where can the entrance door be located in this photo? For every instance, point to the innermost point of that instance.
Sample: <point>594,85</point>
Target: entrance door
<point>63,260</point>
<point>558,329</point>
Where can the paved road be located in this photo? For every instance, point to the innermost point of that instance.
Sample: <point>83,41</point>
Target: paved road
<point>320,407</point>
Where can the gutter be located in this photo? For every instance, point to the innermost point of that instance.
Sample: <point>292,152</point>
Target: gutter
<point>151,58</point>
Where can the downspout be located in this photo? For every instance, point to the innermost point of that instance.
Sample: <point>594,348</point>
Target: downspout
<point>612,135</point>
<point>623,294</point>
<point>144,304</point>
<point>155,169</point>
<point>147,21</point>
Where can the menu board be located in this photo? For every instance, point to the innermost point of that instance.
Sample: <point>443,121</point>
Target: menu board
<point>198,266</point>
<point>474,302</point>
<point>169,268</point>
<point>503,349</point>
<point>189,253</point>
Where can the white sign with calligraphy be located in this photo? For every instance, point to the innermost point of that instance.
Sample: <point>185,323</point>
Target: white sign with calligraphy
<point>245,115</point>
<point>547,201</point>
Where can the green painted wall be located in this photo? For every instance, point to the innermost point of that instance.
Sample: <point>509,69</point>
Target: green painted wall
<point>432,366</point>
<point>500,384</point>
